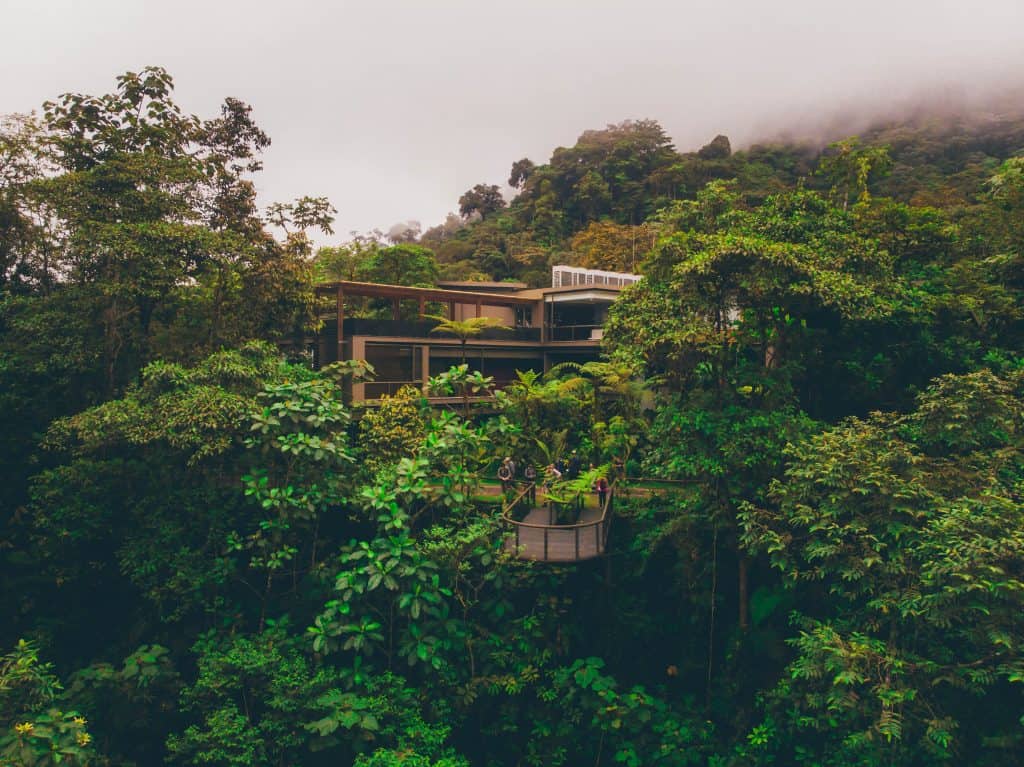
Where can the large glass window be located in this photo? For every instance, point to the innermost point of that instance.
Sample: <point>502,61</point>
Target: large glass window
<point>500,364</point>
<point>524,316</point>
<point>396,366</point>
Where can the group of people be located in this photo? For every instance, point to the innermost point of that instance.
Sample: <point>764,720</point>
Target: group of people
<point>507,477</point>
<point>556,471</point>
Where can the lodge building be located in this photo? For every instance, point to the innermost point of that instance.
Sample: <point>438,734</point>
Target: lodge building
<point>547,326</point>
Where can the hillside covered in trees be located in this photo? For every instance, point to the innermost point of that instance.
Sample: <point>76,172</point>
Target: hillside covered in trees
<point>602,202</point>
<point>812,407</point>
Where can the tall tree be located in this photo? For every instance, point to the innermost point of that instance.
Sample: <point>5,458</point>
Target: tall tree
<point>743,303</point>
<point>521,170</point>
<point>482,199</point>
<point>912,527</point>
<point>400,265</point>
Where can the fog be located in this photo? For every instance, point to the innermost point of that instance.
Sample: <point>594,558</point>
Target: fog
<point>393,108</point>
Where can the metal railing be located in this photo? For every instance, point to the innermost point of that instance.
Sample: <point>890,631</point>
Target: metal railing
<point>378,389</point>
<point>573,332</point>
<point>360,326</point>
<point>558,543</point>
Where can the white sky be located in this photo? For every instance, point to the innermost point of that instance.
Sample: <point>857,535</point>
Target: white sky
<point>393,108</point>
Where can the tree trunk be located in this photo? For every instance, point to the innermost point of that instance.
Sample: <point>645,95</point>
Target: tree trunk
<point>743,578</point>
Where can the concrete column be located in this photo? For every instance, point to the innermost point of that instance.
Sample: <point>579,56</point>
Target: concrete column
<point>340,304</point>
<point>358,353</point>
<point>425,365</point>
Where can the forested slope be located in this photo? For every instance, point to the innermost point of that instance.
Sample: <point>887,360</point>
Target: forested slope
<point>209,557</point>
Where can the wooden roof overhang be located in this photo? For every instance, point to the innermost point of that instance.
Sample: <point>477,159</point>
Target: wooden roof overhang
<point>374,290</point>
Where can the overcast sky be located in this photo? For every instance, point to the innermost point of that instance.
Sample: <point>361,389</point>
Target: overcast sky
<point>393,108</point>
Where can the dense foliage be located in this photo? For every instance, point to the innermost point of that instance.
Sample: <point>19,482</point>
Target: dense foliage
<point>209,556</point>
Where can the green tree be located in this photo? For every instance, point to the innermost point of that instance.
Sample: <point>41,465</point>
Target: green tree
<point>400,265</point>
<point>482,199</point>
<point>394,429</point>
<point>606,245</point>
<point>521,170</point>
<point>911,525</point>
<point>740,306</point>
<point>850,167</point>
<point>718,148</point>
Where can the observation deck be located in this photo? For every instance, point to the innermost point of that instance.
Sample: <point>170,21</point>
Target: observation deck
<point>538,536</point>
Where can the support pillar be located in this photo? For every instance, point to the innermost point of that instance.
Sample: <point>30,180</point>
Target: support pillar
<point>451,310</point>
<point>479,308</point>
<point>341,325</point>
<point>359,353</point>
<point>396,309</point>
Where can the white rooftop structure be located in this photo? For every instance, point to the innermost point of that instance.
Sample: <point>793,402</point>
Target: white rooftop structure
<point>569,276</point>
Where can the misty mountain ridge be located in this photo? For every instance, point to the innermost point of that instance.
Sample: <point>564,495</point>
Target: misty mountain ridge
<point>596,203</point>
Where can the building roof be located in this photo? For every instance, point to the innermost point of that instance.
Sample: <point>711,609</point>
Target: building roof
<point>472,285</point>
<point>513,297</point>
<point>538,294</point>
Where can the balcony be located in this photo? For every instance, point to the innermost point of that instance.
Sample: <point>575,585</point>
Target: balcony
<point>592,333</point>
<point>357,326</point>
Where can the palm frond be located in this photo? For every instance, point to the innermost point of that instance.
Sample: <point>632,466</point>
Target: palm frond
<point>556,371</point>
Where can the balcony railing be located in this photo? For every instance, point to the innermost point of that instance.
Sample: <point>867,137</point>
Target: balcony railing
<point>378,389</point>
<point>358,326</point>
<point>574,332</point>
<point>375,390</point>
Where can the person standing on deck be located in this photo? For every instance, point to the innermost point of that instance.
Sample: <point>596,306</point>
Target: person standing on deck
<point>574,466</point>
<point>530,475</point>
<point>554,474</point>
<point>601,486</point>
<point>505,476</point>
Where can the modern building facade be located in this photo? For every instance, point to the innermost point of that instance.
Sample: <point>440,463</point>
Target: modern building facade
<point>547,326</point>
<point>571,276</point>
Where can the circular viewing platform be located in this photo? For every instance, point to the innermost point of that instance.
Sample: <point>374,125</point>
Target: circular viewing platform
<point>539,538</point>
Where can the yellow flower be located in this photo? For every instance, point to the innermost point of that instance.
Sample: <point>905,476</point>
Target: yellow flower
<point>80,720</point>
<point>24,728</point>
<point>83,738</point>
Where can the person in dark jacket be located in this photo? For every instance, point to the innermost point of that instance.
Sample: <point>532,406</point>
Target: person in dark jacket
<point>601,487</point>
<point>530,475</point>
<point>505,476</point>
<point>574,466</point>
